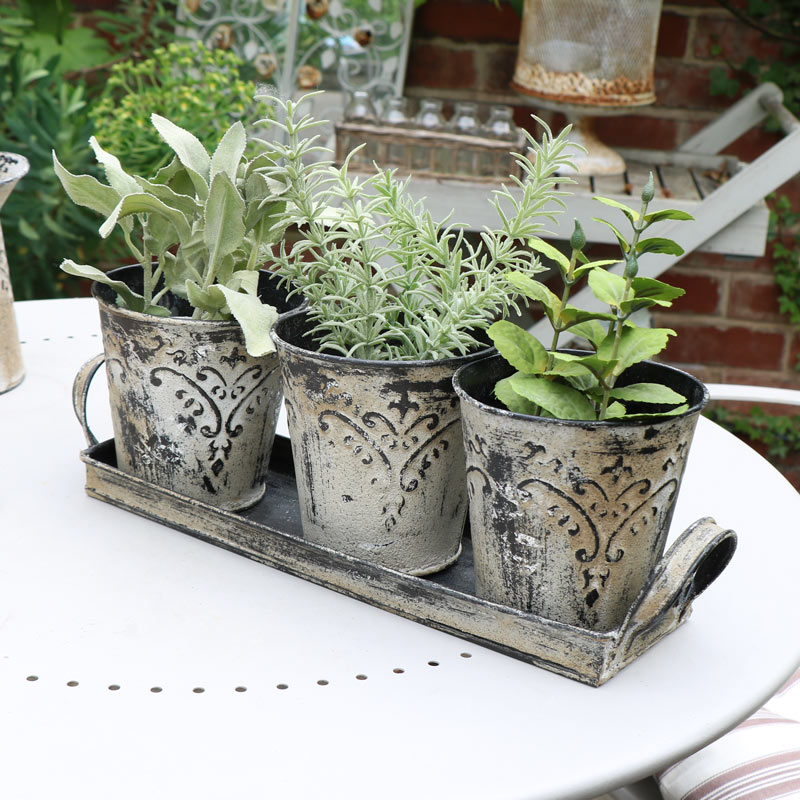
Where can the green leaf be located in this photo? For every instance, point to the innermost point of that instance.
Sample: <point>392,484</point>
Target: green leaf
<point>607,287</point>
<point>182,202</point>
<point>590,330</point>
<point>635,345</point>
<point>621,240</point>
<point>187,146</point>
<point>673,412</point>
<point>632,215</point>
<point>256,319</point>
<point>558,399</point>
<point>658,291</point>
<point>130,299</point>
<point>212,302</point>
<point>119,180</point>
<point>224,226</point>
<point>229,152</point>
<point>666,213</point>
<point>628,307</point>
<point>86,190</point>
<point>647,393</point>
<point>536,291</point>
<point>554,254</point>
<point>521,349</point>
<point>614,410</point>
<point>146,204</point>
<point>597,366</point>
<point>579,272</point>
<point>513,401</point>
<point>578,375</point>
<point>659,245</point>
<point>571,316</point>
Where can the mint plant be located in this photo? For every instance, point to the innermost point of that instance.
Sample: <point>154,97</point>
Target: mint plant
<point>584,386</point>
<point>201,227</point>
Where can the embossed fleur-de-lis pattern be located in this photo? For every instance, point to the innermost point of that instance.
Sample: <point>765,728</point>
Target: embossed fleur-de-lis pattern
<point>191,410</point>
<point>379,459</point>
<point>571,521</point>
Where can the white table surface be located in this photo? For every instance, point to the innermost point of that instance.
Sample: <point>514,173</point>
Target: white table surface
<point>95,595</point>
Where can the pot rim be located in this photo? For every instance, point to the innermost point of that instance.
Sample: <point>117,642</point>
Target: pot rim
<point>653,419</point>
<point>181,320</point>
<point>20,168</point>
<point>366,363</point>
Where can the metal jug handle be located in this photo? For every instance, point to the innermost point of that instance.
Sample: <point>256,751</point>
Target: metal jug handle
<point>80,393</point>
<point>690,565</point>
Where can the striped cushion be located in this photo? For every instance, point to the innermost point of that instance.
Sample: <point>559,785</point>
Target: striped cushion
<point>758,760</point>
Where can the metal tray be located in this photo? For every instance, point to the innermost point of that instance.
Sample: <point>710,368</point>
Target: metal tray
<point>271,533</point>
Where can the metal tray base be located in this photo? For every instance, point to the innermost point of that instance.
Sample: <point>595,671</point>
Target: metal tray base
<point>271,533</point>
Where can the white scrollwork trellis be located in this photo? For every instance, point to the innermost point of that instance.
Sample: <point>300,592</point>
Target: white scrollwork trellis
<point>297,45</point>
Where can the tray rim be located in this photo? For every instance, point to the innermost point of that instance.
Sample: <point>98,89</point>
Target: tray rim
<point>590,657</point>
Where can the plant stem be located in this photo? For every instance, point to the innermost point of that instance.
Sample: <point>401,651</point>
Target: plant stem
<point>619,322</point>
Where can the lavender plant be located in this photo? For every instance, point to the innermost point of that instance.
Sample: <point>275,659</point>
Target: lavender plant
<point>384,280</point>
<point>584,387</point>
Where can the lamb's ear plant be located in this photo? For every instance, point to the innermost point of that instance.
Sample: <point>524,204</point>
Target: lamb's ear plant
<point>385,281</point>
<point>200,227</point>
<point>584,387</point>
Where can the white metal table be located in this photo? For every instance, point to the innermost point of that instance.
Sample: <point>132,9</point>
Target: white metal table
<point>139,662</point>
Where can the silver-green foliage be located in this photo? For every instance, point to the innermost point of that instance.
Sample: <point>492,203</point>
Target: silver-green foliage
<point>204,224</point>
<point>384,280</point>
<point>583,387</point>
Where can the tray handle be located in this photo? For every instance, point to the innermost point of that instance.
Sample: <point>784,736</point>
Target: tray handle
<point>691,565</point>
<point>80,393</point>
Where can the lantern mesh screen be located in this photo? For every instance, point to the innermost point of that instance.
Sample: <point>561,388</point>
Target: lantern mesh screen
<point>592,52</point>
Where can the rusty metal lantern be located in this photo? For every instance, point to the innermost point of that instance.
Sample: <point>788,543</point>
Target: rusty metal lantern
<point>587,58</point>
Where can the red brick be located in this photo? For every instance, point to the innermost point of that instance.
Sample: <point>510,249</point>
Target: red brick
<point>673,35</point>
<point>752,144</point>
<point>682,85</point>
<point>435,67</point>
<point>722,345</point>
<point>467,20</point>
<point>703,291</point>
<point>634,131</point>
<point>734,38</point>
<point>497,69</point>
<point>787,379</point>
<point>793,359</point>
<point>722,263</point>
<point>754,298</point>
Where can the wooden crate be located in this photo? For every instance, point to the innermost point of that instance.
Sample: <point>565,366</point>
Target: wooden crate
<point>430,154</point>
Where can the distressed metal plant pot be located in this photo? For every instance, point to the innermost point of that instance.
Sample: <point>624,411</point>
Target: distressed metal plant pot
<point>12,370</point>
<point>569,519</point>
<point>378,452</point>
<point>191,410</point>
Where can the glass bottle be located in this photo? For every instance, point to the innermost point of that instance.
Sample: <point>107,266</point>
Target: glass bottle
<point>360,108</point>
<point>500,124</point>
<point>465,119</point>
<point>395,115</point>
<point>395,112</point>
<point>429,115</point>
<point>428,157</point>
<point>465,122</point>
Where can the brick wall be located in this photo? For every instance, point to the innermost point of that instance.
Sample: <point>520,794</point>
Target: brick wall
<point>729,326</point>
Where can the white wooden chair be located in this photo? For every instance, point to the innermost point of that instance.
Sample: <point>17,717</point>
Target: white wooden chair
<point>730,214</point>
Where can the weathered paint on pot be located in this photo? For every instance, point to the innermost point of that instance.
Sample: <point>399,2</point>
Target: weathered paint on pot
<point>569,519</point>
<point>12,370</point>
<point>378,453</point>
<point>191,410</point>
